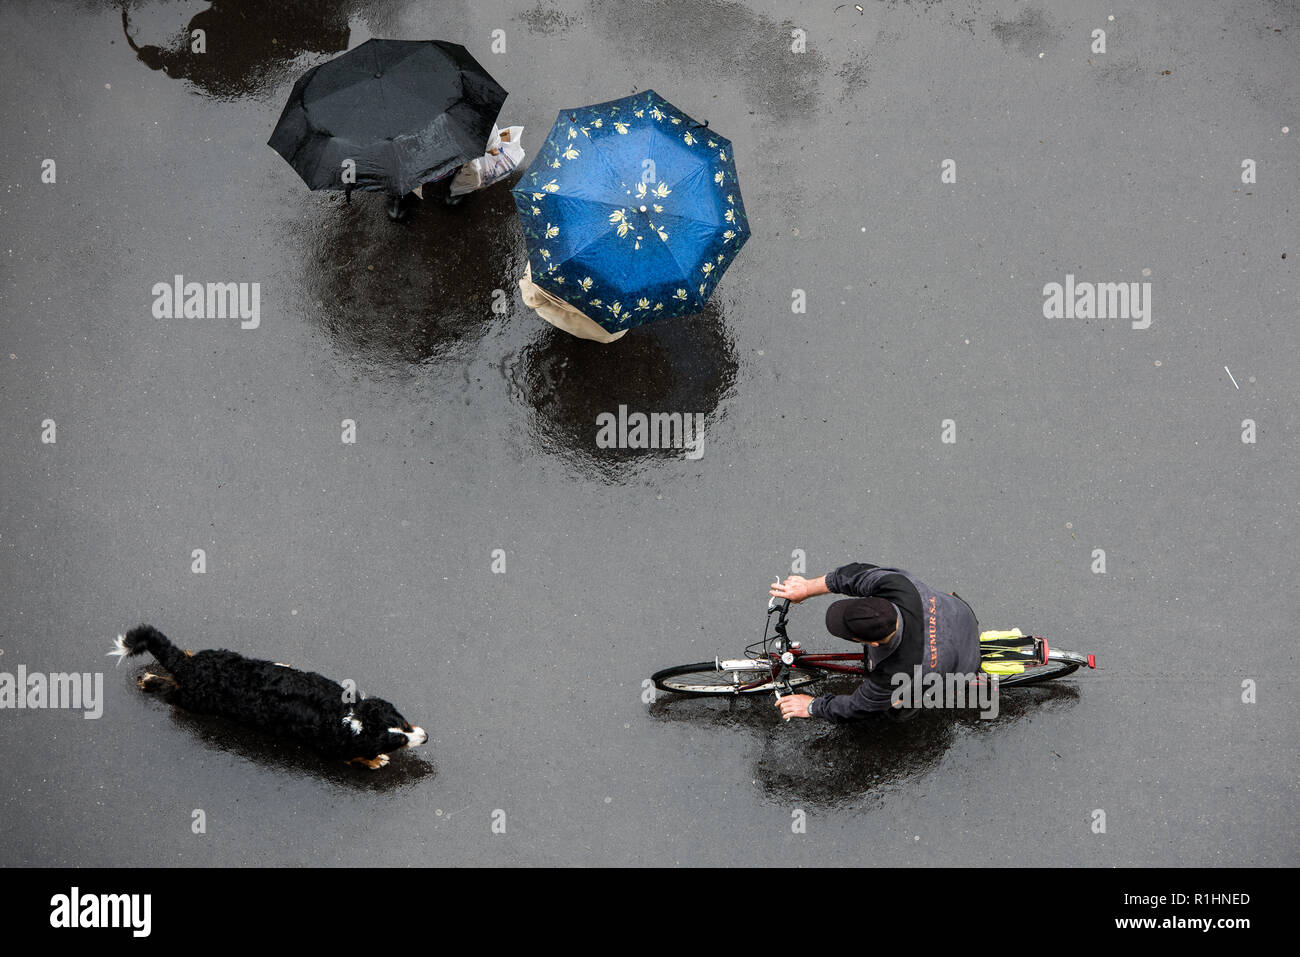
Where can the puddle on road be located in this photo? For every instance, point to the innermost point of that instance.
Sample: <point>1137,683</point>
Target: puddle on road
<point>841,766</point>
<point>402,295</point>
<point>249,46</point>
<point>685,365</point>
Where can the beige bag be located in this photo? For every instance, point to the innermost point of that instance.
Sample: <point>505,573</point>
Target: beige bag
<point>562,315</point>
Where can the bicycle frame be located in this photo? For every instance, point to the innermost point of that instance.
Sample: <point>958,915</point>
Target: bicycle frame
<point>784,655</point>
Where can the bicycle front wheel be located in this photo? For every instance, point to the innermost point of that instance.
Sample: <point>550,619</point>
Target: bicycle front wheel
<point>706,678</point>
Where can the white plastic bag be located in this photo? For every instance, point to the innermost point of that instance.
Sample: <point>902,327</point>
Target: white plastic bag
<point>503,157</point>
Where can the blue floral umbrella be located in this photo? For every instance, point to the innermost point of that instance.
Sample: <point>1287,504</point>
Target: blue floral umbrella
<point>632,211</point>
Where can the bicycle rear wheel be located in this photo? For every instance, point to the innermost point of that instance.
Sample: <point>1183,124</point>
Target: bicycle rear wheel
<point>1011,673</point>
<point>1033,674</point>
<point>706,678</point>
<point>1018,659</point>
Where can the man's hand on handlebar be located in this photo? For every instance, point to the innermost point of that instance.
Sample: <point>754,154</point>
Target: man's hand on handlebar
<point>794,706</point>
<point>797,588</point>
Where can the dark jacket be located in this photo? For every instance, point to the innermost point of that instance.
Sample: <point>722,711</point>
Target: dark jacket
<point>940,634</point>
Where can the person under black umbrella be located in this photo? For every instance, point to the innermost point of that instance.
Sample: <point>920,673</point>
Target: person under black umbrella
<point>388,116</point>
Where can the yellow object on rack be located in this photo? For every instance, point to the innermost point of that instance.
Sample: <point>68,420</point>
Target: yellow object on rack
<point>992,663</point>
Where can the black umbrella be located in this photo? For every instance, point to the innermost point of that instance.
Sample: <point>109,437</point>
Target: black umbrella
<point>403,111</point>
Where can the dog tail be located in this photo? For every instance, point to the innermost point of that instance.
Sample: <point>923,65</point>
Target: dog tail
<point>144,638</point>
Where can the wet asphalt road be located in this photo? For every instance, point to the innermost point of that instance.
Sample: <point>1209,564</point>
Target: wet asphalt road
<point>476,431</point>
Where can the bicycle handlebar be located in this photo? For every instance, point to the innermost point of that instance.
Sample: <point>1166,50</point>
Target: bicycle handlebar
<point>782,607</point>
<point>778,604</point>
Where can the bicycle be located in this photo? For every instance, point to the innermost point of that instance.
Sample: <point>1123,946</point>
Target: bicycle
<point>780,665</point>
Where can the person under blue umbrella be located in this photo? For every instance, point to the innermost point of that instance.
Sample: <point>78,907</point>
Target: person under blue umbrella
<point>632,212</point>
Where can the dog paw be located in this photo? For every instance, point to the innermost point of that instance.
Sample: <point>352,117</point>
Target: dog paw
<point>152,682</point>
<point>379,762</point>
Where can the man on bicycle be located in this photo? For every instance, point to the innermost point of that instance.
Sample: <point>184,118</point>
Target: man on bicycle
<point>904,624</point>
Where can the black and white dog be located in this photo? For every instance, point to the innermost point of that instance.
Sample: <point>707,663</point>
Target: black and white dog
<point>274,698</point>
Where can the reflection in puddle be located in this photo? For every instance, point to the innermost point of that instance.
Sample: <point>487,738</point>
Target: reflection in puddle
<point>684,365</point>
<point>839,765</point>
<point>247,45</point>
<point>422,291</point>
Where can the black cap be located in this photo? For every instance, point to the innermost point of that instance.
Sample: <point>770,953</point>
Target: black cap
<point>861,619</point>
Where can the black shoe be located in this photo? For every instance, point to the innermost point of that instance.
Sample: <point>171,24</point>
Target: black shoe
<point>397,209</point>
